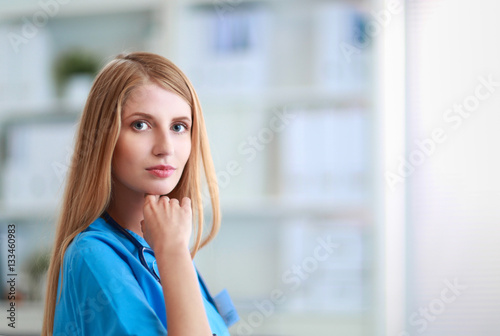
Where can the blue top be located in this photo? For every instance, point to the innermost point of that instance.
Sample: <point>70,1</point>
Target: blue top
<point>107,291</point>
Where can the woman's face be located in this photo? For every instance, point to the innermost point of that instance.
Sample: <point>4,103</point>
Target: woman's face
<point>154,142</point>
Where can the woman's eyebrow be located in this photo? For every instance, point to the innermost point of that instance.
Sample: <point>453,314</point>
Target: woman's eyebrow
<point>183,118</point>
<point>140,114</point>
<point>151,117</point>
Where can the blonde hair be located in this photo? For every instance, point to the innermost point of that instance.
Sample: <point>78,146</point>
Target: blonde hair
<point>88,187</point>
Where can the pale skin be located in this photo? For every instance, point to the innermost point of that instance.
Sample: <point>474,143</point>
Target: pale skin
<point>156,130</point>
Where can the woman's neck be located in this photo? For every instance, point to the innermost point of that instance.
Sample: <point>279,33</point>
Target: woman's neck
<point>126,208</point>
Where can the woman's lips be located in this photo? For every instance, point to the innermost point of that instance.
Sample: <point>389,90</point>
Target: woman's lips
<point>161,171</point>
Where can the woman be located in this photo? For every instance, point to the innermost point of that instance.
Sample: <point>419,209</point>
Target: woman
<point>135,183</point>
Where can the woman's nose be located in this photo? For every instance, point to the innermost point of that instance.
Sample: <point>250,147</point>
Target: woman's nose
<point>163,144</point>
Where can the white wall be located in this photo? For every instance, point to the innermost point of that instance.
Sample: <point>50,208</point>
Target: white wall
<point>454,196</point>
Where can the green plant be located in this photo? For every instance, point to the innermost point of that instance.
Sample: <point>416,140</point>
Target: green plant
<point>36,267</point>
<point>72,62</point>
<point>38,264</point>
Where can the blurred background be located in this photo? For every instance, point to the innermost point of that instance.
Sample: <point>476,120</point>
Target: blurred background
<point>354,143</point>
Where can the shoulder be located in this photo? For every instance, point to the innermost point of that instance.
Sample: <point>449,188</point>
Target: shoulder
<point>98,235</point>
<point>99,290</point>
<point>96,254</point>
<point>96,241</point>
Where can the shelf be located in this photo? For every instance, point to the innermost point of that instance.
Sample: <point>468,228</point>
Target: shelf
<point>14,215</point>
<point>16,10</point>
<point>30,314</point>
<point>58,108</point>
<point>232,4</point>
<point>273,208</point>
<point>228,3</point>
<point>264,208</point>
<point>287,96</point>
<point>317,94</point>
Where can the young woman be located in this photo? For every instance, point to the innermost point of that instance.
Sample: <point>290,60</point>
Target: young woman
<point>121,263</point>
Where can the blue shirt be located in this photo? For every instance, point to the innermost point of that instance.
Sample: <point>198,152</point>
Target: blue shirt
<point>107,291</point>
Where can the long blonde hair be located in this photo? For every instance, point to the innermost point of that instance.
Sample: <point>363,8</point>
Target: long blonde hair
<point>88,187</point>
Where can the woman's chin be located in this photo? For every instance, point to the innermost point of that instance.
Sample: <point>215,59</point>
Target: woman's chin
<point>158,191</point>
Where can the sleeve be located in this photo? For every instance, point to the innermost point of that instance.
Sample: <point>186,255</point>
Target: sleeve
<point>101,296</point>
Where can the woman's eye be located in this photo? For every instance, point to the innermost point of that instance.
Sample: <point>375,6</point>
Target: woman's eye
<point>140,125</point>
<point>178,128</point>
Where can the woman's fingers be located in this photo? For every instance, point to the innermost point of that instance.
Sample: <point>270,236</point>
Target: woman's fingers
<point>186,203</point>
<point>154,199</point>
<point>167,223</point>
<point>151,199</point>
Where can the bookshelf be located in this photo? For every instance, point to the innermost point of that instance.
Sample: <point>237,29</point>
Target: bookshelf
<point>252,62</point>
<point>297,69</point>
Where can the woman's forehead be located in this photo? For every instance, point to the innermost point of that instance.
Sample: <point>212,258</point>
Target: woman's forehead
<point>140,93</point>
<point>153,97</point>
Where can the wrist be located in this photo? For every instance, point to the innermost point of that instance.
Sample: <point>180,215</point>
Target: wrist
<point>172,250</point>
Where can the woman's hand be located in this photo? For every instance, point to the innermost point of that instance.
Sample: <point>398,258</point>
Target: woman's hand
<point>167,229</point>
<point>167,225</point>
